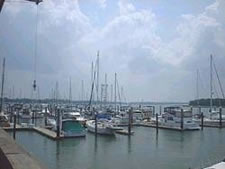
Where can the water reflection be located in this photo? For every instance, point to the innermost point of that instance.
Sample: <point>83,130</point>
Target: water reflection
<point>96,144</point>
<point>129,144</point>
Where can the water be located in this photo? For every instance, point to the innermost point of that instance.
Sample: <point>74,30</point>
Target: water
<point>143,150</point>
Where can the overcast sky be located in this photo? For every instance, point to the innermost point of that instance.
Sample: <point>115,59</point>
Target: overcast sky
<point>155,46</point>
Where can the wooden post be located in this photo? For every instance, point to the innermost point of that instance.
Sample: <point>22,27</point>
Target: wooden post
<point>199,110</point>
<point>157,123</point>
<point>182,120</point>
<point>153,110</point>
<point>129,123</point>
<point>14,127</point>
<point>160,110</point>
<point>58,123</point>
<point>45,116</point>
<point>220,117</point>
<point>18,117</point>
<point>202,121</point>
<point>11,114</point>
<point>32,117</point>
<point>96,124</point>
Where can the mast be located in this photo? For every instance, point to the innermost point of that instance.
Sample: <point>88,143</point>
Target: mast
<point>111,99</point>
<point>70,92</point>
<point>106,90</point>
<point>97,86</point>
<point>3,81</point>
<point>115,93</point>
<point>82,90</point>
<point>211,88</point>
<point>197,89</point>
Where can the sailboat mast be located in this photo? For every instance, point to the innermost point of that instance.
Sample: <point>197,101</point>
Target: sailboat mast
<point>115,91</point>
<point>3,81</point>
<point>211,88</point>
<point>70,92</point>
<point>197,87</point>
<point>97,87</point>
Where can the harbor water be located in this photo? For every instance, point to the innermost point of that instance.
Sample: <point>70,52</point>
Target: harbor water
<point>145,149</point>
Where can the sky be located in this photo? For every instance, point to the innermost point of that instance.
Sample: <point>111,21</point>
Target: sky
<point>154,46</point>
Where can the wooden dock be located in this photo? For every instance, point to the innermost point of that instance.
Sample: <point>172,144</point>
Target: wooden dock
<point>46,132</point>
<point>43,131</point>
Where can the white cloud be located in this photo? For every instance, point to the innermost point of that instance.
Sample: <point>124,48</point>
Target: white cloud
<point>130,44</point>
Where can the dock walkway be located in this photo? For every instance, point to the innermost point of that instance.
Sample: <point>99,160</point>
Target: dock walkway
<point>13,156</point>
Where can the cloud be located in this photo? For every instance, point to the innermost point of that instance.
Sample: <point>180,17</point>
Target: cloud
<point>130,44</point>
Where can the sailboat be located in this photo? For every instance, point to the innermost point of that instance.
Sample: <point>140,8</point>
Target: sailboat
<point>214,114</point>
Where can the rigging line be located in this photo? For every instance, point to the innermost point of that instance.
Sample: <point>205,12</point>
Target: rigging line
<point>214,65</point>
<point>92,87</point>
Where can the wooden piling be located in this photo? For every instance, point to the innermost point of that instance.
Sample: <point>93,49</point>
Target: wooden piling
<point>160,110</point>
<point>96,124</point>
<point>182,120</point>
<point>11,114</point>
<point>157,123</point>
<point>14,127</point>
<point>18,117</point>
<point>220,117</point>
<point>46,116</point>
<point>153,110</point>
<point>199,110</point>
<point>202,121</point>
<point>130,121</point>
<point>32,117</point>
<point>58,123</point>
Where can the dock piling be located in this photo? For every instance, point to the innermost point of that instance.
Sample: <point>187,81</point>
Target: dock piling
<point>130,121</point>
<point>45,116</point>
<point>160,110</point>
<point>14,127</point>
<point>220,117</point>
<point>153,110</point>
<point>96,124</point>
<point>58,123</point>
<point>157,123</point>
<point>202,121</point>
<point>182,120</point>
<point>11,114</point>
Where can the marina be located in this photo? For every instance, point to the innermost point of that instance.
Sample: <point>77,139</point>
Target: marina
<point>145,148</point>
<point>118,84</point>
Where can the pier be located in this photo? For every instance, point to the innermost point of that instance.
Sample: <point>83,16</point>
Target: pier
<point>43,131</point>
<point>13,156</point>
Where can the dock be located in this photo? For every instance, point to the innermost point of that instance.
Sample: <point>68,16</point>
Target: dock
<point>13,156</point>
<point>43,131</point>
<point>153,125</point>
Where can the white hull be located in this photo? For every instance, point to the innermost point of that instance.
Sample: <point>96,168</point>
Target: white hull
<point>101,128</point>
